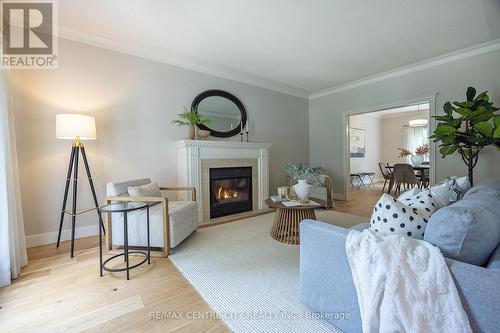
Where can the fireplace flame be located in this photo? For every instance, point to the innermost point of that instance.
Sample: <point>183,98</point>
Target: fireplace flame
<point>223,193</point>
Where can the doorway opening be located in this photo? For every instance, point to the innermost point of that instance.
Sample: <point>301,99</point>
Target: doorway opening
<point>379,139</point>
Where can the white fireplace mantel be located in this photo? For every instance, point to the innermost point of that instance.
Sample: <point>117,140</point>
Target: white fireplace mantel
<point>192,153</point>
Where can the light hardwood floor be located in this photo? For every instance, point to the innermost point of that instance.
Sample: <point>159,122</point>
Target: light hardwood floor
<point>362,201</point>
<point>59,294</point>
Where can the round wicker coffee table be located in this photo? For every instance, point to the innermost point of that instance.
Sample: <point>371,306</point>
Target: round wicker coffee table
<point>287,219</point>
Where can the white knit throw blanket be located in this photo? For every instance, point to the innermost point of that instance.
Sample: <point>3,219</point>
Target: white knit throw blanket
<point>403,285</point>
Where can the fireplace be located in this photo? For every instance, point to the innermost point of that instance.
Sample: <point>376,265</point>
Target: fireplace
<point>230,191</point>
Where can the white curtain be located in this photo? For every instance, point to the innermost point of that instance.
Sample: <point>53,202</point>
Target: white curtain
<point>415,137</point>
<point>12,243</point>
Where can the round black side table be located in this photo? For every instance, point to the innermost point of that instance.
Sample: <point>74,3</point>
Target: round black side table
<point>125,208</point>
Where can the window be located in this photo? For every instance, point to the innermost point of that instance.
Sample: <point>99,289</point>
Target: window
<point>415,137</point>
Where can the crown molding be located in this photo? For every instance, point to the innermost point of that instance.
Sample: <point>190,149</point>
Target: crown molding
<point>180,60</point>
<point>415,67</point>
<point>191,63</point>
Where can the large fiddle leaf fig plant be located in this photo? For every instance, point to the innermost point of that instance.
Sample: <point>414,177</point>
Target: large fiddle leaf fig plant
<point>467,127</point>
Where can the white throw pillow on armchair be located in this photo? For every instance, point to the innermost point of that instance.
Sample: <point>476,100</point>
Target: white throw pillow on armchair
<point>148,190</point>
<point>409,218</point>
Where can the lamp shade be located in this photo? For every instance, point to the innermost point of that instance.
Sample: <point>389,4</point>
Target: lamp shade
<point>72,126</point>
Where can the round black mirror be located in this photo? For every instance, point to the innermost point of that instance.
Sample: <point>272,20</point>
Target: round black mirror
<point>225,111</point>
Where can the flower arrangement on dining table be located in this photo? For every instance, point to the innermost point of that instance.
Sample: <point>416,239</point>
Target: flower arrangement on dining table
<point>420,151</point>
<point>416,158</point>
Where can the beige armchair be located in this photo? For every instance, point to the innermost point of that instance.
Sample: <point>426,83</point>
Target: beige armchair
<point>322,189</point>
<point>170,221</point>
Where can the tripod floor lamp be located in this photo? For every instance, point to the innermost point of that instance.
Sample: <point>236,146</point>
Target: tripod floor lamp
<point>77,128</point>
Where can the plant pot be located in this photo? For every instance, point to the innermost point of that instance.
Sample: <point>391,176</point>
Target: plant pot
<point>302,189</point>
<point>416,160</point>
<point>203,134</point>
<point>191,132</point>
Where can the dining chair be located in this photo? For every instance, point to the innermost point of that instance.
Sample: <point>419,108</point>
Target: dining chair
<point>387,167</point>
<point>424,178</point>
<point>385,173</point>
<point>404,175</point>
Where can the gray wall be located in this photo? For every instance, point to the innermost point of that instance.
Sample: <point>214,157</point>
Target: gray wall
<point>451,80</point>
<point>133,100</point>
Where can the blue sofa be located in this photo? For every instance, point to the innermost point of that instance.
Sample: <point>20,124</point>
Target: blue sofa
<point>326,285</point>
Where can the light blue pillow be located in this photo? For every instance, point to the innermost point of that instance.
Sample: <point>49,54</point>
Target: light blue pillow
<point>494,262</point>
<point>485,185</point>
<point>469,229</point>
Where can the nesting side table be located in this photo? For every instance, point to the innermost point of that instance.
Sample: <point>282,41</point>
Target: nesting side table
<point>125,208</point>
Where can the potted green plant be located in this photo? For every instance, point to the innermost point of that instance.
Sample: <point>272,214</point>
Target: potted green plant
<point>303,173</point>
<point>476,126</point>
<point>190,118</point>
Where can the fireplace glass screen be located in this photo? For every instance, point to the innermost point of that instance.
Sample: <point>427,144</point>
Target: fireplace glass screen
<point>230,191</point>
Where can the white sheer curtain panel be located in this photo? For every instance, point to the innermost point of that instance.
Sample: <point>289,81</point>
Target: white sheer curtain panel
<point>12,243</point>
<point>415,137</point>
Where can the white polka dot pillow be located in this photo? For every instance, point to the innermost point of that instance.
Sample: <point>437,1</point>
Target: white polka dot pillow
<point>423,203</point>
<point>408,218</point>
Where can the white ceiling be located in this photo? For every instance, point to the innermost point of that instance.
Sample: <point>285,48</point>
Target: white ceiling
<point>417,109</point>
<point>294,45</point>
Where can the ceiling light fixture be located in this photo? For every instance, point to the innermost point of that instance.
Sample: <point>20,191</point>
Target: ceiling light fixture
<point>420,121</point>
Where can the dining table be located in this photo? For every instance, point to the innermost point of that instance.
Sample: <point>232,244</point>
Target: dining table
<point>421,169</point>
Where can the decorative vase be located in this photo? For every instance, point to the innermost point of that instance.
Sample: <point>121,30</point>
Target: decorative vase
<point>191,131</point>
<point>302,189</point>
<point>203,134</point>
<point>416,160</point>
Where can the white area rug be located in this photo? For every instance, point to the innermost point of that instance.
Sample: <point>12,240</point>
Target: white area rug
<point>248,278</point>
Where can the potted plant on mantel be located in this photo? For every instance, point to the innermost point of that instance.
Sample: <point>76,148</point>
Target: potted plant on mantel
<point>418,157</point>
<point>302,173</point>
<point>190,118</point>
<point>476,127</point>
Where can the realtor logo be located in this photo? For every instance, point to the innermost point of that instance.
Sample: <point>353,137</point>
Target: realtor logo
<point>29,34</point>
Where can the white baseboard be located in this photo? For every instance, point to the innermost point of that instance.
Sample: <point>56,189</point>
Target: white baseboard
<point>51,237</point>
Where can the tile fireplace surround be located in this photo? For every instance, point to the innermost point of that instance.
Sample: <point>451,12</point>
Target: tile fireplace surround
<point>196,157</point>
